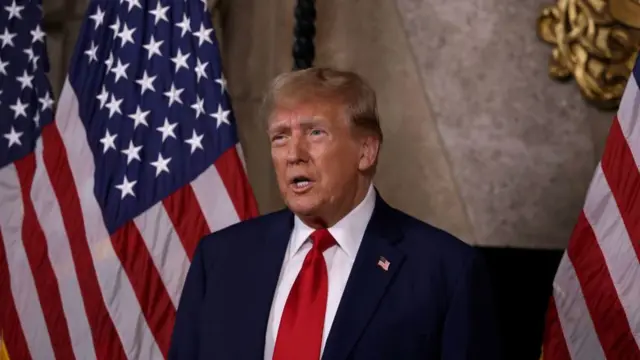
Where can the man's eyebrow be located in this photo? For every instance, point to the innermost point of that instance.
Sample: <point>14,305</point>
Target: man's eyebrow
<point>304,122</point>
<point>314,120</point>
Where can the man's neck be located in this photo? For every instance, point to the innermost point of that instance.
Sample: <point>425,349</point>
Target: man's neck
<point>333,216</point>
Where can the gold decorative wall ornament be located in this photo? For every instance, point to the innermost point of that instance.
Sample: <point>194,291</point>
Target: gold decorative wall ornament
<point>595,42</point>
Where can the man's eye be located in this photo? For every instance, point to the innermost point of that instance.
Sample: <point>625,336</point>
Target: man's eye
<point>277,137</point>
<point>317,132</point>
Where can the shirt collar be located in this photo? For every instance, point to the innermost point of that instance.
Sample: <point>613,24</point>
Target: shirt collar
<point>348,232</point>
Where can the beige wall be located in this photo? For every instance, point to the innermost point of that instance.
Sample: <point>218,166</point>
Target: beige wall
<point>479,141</point>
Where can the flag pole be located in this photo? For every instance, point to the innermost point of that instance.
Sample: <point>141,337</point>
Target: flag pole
<point>304,32</point>
<point>4,354</point>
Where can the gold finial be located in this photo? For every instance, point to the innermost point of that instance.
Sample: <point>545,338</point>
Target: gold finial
<point>595,42</point>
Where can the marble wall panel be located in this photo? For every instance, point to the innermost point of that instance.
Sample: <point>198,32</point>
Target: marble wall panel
<point>523,148</point>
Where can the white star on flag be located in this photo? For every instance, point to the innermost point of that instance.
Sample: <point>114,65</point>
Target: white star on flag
<point>14,137</point>
<point>103,96</point>
<point>19,109</point>
<point>153,47</point>
<point>160,13</point>
<point>174,94</point>
<point>25,80</point>
<point>146,83</point>
<point>126,187</point>
<point>167,130</point>
<point>14,10</point>
<point>198,106</point>
<point>181,60</point>
<point>46,102</point>
<point>126,35</point>
<point>108,141</point>
<point>185,25</point>
<point>195,141</point>
<point>139,117</point>
<point>37,35</point>
<point>161,165</point>
<point>7,38</point>
<point>114,105</point>
<point>98,18</point>
<point>221,116</point>
<point>203,35</point>
<point>132,152</point>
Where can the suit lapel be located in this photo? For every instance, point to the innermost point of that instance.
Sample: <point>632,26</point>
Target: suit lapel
<point>367,282</point>
<point>261,279</point>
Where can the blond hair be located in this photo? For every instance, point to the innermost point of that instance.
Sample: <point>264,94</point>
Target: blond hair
<point>340,87</point>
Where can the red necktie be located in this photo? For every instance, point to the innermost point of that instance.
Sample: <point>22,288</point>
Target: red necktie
<point>302,322</point>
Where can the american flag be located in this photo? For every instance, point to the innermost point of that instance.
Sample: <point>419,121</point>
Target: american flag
<point>594,312</point>
<point>384,263</point>
<point>101,208</point>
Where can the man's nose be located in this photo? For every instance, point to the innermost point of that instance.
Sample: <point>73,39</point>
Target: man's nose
<point>297,149</point>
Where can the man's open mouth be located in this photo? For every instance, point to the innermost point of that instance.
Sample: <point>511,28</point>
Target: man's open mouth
<point>301,182</point>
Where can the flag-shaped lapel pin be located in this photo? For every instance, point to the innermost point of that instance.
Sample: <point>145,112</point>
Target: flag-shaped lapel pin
<point>384,263</point>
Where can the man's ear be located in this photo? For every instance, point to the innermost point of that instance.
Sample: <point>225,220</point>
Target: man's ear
<point>369,148</point>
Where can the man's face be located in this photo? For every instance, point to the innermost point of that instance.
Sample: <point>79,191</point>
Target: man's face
<point>317,158</point>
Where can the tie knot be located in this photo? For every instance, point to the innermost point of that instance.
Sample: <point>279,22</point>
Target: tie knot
<point>322,240</point>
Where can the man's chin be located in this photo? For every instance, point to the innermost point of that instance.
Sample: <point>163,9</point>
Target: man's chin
<point>302,207</point>
<point>302,210</point>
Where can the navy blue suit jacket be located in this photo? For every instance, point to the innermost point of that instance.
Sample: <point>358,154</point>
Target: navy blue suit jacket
<point>434,301</point>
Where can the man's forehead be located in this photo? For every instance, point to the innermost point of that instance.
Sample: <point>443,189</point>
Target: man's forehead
<point>300,115</point>
<point>306,109</point>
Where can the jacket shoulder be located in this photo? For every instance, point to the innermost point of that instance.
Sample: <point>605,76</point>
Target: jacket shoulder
<point>419,233</point>
<point>434,252</point>
<point>429,247</point>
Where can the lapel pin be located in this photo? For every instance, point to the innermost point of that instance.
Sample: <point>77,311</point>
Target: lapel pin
<point>384,263</point>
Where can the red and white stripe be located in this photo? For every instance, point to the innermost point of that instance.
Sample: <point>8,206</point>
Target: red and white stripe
<point>595,309</point>
<point>68,288</point>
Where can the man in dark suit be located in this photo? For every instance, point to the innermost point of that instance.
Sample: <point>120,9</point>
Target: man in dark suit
<point>339,274</point>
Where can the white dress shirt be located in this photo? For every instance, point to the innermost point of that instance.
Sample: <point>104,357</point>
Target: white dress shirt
<point>348,233</point>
